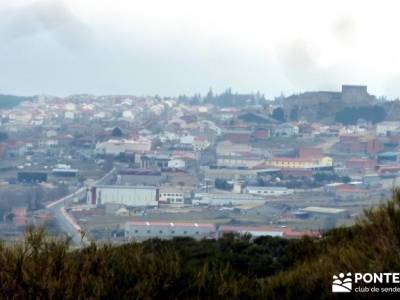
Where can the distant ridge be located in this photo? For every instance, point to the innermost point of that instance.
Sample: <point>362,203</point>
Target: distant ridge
<point>10,101</point>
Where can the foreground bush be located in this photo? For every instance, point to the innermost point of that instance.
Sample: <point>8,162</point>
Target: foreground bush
<point>229,268</point>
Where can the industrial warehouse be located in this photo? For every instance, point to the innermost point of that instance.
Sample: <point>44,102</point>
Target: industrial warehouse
<point>133,196</point>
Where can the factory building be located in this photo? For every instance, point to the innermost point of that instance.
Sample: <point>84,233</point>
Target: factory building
<point>146,230</point>
<point>116,147</point>
<point>219,199</point>
<point>268,190</point>
<point>167,230</point>
<point>132,196</point>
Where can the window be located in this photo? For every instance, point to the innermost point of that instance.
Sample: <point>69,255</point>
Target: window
<point>149,231</point>
<point>136,231</point>
<point>160,232</point>
<point>185,232</point>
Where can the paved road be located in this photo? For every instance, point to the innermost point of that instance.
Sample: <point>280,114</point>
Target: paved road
<point>67,223</point>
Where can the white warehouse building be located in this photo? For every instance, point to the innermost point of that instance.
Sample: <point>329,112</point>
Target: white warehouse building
<point>220,199</point>
<point>268,191</point>
<point>134,196</point>
<point>167,230</point>
<point>116,147</point>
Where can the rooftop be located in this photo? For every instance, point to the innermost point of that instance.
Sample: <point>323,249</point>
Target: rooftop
<point>172,224</point>
<point>323,210</point>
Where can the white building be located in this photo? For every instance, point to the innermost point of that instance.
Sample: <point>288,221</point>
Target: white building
<point>116,147</point>
<point>187,140</point>
<point>219,199</point>
<point>127,114</point>
<point>135,196</point>
<point>171,197</point>
<point>145,230</point>
<point>383,128</point>
<point>229,148</point>
<point>69,115</point>
<point>286,129</point>
<point>268,191</point>
<point>247,160</point>
<point>176,163</point>
<point>198,143</point>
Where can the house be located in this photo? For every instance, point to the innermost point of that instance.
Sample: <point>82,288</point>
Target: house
<point>383,128</point>
<point>286,129</point>
<point>360,164</point>
<point>170,196</point>
<point>197,143</point>
<point>359,144</point>
<point>152,161</point>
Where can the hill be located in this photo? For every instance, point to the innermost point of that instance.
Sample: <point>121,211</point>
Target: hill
<point>233,267</point>
<point>10,101</point>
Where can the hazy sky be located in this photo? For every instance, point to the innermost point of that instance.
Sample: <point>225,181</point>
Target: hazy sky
<point>171,47</point>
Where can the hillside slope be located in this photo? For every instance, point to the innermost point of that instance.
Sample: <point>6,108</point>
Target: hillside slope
<point>10,101</point>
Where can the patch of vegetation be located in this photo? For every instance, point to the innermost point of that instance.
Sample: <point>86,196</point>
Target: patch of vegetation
<point>3,136</point>
<point>116,132</point>
<point>350,115</point>
<point>225,99</point>
<point>233,267</point>
<point>223,184</point>
<point>10,101</point>
<point>278,114</point>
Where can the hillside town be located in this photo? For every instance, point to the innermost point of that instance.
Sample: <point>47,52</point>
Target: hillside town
<point>120,168</point>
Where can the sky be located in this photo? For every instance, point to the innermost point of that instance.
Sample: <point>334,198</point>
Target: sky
<point>173,47</point>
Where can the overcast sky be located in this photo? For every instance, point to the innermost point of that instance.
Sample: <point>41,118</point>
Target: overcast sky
<point>171,47</point>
